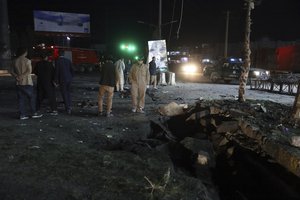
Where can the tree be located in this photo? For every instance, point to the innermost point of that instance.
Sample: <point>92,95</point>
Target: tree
<point>247,51</point>
<point>296,108</point>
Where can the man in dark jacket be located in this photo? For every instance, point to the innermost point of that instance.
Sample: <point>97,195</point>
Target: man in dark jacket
<point>152,70</point>
<point>44,70</point>
<point>63,76</point>
<point>107,84</point>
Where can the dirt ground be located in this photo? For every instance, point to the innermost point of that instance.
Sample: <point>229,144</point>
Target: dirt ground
<point>84,156</point>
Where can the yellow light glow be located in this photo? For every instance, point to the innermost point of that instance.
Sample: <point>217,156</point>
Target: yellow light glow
<point>189,68</point>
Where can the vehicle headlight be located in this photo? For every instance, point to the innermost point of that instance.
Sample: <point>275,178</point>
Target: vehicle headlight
<point>189,68</point>
<point>256,73</point>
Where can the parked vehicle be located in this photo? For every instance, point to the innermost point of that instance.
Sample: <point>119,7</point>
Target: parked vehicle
<point>84,60</point>
<point>280,59</point>
<point>229,69</point>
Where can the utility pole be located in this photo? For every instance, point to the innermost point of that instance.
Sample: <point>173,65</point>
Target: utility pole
<point>159,19</point>
<point>4,36</point>
<point>226,35</point>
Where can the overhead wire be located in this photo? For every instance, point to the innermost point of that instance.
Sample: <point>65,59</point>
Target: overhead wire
<point>179,26</point>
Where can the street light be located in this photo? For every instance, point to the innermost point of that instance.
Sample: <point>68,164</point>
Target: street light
<point>128,47</point>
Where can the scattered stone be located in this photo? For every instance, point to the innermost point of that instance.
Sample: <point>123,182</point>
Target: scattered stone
<point>230,151</point>
<point>227,126</point>
<point>203,148</point>
<point>172,109</point>
<point>223,142</point>
<point>295,141</point>
<point>34,147</point>
<point>198,115</point>
<point>202,159</point>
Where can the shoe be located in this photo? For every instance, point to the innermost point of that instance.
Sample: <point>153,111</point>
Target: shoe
<point>100,114</point>
<point>24,117</point>
<point>69,112</point>
<point>54,112</point>
<point>36,115</point>
<point>133,110</point>
<point>140,111</point>
<point>155,88</point>
<point>109,115</point>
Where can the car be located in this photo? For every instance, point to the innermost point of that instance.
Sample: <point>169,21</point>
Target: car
<point>191,68</point>
<point>230,69</point>
<point>227,70</point>
<point>258,74</point>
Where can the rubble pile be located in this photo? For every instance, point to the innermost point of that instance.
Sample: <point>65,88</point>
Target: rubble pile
<point>212,136</point>
<point>263,127</point>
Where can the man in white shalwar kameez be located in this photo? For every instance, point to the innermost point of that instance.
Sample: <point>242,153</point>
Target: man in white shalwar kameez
<point>120,67</point>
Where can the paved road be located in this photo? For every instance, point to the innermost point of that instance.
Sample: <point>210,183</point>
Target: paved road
<point>196,88</point>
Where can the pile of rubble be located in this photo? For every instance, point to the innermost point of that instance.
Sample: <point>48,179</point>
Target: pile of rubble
<point>263,127</point>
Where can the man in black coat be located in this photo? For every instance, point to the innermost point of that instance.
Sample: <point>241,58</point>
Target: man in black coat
<point>63,76</point>
<point>107,85</point>
<point>152,71</point>
<point>44,70</point>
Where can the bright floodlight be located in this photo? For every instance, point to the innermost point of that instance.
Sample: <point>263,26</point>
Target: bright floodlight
<point>131,48</point>
<point>128,47</point>
<point>123,46</point>
<point>189,68</point>
<point>68,38</point>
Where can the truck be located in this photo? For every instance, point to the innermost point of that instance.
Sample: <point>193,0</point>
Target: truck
<point>83,60</point>
<point>278,59</point>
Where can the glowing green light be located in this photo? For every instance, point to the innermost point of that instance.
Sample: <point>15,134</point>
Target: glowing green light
<point>131,48</point>
<point>123,46</point>
<point>128,47</point>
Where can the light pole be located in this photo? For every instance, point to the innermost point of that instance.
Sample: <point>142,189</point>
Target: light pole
<point>159,26</point>
<point>226,35</point>
<point>159,19</point>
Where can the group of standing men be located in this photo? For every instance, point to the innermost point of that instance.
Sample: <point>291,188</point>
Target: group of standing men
<point>112,75</point>
<point>49,76</point>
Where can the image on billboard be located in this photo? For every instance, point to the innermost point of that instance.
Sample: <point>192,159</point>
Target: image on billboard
<point>158,49</point>
<point>50,21</point>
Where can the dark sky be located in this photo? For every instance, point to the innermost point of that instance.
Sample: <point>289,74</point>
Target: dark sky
<point>203,21</point>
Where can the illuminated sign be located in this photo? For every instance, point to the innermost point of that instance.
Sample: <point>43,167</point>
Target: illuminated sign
<point>158,49</point>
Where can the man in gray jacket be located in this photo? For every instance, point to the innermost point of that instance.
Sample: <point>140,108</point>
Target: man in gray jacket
<point>21,70</point>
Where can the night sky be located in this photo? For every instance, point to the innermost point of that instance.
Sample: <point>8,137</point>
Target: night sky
<point>203,20</point>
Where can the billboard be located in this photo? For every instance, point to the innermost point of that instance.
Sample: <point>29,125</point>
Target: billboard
<point>158,49</point>
<point>49,21</point>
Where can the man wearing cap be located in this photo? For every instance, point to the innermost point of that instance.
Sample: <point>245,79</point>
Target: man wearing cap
<point>139,78</point>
